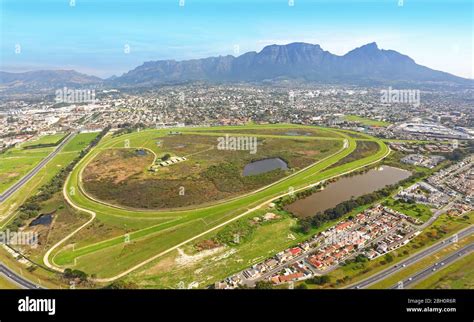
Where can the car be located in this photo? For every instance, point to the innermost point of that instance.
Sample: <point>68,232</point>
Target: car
<point>404,265</point>
<point>436,264</point>
<point>442,264</point>
<point>443,242</point>
<point>410,278</point>
<point>434,269</point>
<point>459,255</point>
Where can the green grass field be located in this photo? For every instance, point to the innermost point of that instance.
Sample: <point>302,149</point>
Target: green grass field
<point>417,211</point>
<point>18,161</point>
<point>141,235</point>
<point>365,121</point>
<point>52,140</point>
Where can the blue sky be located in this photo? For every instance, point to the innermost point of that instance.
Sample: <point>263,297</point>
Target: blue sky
<point>91,36</point>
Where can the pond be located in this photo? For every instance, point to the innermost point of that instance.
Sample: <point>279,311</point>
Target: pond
<point>265,165</point>
<point>43,219</point>
<point>345,188</point>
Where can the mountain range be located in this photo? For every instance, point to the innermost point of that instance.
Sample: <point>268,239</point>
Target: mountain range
<point>296,61</point>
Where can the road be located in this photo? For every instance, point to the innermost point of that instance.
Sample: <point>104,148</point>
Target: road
<point>17,279</point>
<point>412,259</point>
<point>421,275</point>
<point>14,188</point>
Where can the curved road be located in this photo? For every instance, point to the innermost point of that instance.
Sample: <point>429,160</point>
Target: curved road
<point>14,188</point>
<point>412,259</point>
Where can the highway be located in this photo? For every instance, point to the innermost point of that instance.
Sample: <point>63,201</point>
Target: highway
<point>35,170</point>
<point>412,259</point>
<point>17,279</point>
<point>421,275</point>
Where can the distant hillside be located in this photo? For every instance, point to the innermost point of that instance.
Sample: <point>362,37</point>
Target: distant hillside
<point>44,79</point>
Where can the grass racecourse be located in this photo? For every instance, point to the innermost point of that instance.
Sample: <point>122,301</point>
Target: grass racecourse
<point>118,240</point>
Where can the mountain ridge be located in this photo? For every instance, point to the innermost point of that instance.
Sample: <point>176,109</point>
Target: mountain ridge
<point>300,61</point>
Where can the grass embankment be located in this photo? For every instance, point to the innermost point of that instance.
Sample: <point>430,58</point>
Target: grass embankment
<point>457,275</point>
<point>6,284</point>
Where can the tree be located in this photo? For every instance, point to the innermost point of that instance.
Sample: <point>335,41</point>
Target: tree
<point>264,285</point>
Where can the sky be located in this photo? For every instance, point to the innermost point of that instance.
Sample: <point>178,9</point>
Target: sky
<point>110,37</point>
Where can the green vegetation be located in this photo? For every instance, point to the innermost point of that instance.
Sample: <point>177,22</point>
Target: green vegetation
<point>156,233</point>
<point>6,284</point>
<point>17,162</point>
<point>208,175</point>
<point>31,207</point>
<point>457,275</point>
<point>417,211</point>
<point>363,149</point>
<point>44,141</point>
<point>365,121</point>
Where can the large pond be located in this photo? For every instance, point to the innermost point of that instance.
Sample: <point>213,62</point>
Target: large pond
<point>264,165</point>
<point>345,188</point>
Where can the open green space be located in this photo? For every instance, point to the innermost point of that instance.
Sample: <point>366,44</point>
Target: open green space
<point>18,161</point>
<point>44,141</point>
<point>121,176</point>
<point>9,207</point>
<point>365,121</point>
<point>149,233</point>
<point>417,211</point>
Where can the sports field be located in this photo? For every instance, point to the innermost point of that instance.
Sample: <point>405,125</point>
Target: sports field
<point>120,239</point>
